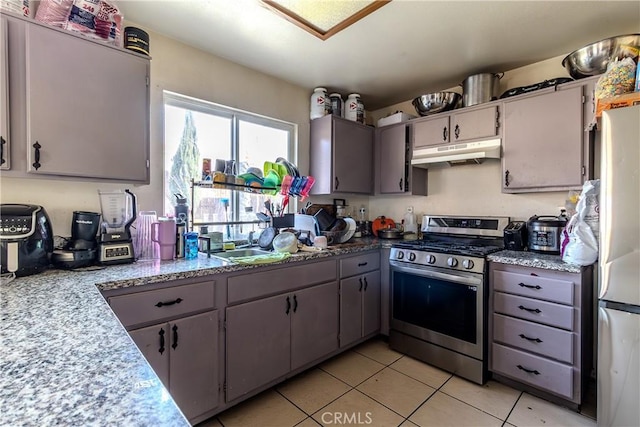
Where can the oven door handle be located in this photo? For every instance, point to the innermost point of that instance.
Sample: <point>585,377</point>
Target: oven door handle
<point>456,277</point>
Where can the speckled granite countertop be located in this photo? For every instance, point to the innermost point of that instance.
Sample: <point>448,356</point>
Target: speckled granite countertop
<point>65,359</point>
<point>532,259</point>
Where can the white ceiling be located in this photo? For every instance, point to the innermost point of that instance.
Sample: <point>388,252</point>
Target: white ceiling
<point>404,49</point>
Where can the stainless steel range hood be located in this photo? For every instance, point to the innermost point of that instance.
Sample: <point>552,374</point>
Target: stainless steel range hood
<point>456,154</point>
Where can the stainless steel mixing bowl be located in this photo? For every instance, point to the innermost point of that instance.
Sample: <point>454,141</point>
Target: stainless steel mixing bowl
<point>437,102</point>
<point>592,59</point>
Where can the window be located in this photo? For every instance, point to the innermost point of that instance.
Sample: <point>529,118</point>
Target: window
<point>234,140</point>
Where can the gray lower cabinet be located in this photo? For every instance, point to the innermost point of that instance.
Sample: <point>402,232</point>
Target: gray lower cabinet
<point>341,156</point>
<point>544,147</point>
<point>78,108</point>
<point>385,291</point>
<point>177,330</point>
<point>272,336</point>
<point>394,174</point>
<point>539,330</point>
<point>184,354</point>
<point>359,297</point>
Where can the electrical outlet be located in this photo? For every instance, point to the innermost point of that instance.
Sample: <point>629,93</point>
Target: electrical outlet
<point>409,209</point>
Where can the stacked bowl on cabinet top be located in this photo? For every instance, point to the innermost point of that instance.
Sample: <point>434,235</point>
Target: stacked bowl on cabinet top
<point>323,104</point>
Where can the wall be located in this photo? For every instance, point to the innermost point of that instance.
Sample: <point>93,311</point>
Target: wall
<point>474,189</point>
<point>178,68</point>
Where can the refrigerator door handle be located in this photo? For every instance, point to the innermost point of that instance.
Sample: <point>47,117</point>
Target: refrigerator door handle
<point>613,305</point>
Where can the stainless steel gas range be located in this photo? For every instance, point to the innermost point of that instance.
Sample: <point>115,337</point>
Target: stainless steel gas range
<point>439,293</point>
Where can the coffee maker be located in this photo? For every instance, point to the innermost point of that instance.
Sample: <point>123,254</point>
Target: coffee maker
<point>81,248</point>
<point>118,213</point>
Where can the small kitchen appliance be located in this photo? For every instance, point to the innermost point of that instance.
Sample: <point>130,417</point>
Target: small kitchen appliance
<point>439,293</point>
<point>515,236</point>
<point>118,213</point>
<point>81,249</point>
<point>26,239</point>
<point>544,233</point>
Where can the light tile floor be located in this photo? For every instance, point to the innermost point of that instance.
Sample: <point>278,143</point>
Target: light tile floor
<point>375,386</point>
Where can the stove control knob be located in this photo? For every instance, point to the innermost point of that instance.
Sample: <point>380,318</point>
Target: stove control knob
<point>452,262</point>
<point>431,259</point>
<point>400,255</point>
<point>468,264</point>
<point>412,256</point>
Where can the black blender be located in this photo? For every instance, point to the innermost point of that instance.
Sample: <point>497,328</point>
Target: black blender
<point>81,248</point>
<point>118,213</point>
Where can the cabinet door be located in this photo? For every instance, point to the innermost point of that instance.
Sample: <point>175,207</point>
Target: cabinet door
<point>351,309</point>
<point>385,290</point>
<point>193,363</point>
<point>87,108</point>
<point>393,159</point>
<point>431,132</point>
<point>258,343</point>
<point>352,157</point>
<point>371,303</point>
<point>542,146</point>
<point>476,124</point>
<point>153,343</point>
<point>314,324</point>
<point>4,94</point>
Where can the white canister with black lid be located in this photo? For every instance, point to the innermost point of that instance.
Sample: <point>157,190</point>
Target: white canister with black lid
<point>319,103</point>
<point>352,108</point>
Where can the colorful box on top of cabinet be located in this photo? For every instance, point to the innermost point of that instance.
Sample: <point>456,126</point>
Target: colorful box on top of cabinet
<point>619,101</point>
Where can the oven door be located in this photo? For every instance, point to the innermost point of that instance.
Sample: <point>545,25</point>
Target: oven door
<point>442,307</point>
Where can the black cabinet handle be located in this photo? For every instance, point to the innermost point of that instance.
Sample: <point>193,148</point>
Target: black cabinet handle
<point>37,164</point>
<point>400,184</point>
<point>444,133</point>
<point>360,289</point>
<point>529,371</point>
<point>366,284</point>
<point>506,178</point>
<point>362,264</point>
<point>288,305</point>
<point>522,285</point>
<point>175,337</point>
<point>161,333</point>
<point>295,303</point>
<point>337,183</point>
<point>456,131</point>
<point>524,337</point>
<point>532,310</point>
<point>176,301</point>
<point>2,142</point>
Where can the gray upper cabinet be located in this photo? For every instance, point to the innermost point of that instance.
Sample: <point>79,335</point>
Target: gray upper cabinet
<point>4,95</point>
<point>341,156</point>
<point>543,142</point>
<point>78,108</point>
<point>456,126</point>
<point>394,174</point>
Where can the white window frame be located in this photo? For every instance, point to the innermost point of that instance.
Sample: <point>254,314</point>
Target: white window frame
<point>235,116</point>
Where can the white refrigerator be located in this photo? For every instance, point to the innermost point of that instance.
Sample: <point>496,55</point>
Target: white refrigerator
<point>618,371</point>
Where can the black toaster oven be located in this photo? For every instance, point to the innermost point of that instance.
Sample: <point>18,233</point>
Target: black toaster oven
<point>515,236</point>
